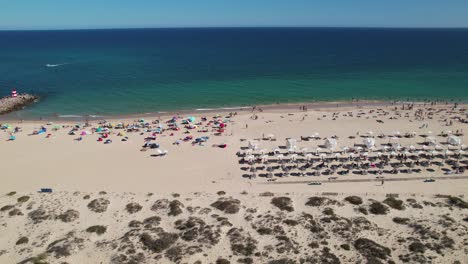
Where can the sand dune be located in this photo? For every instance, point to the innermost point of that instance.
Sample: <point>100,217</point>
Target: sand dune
<point>231,227</point>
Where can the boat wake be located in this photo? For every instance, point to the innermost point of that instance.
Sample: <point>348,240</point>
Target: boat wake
<point>54,65</point>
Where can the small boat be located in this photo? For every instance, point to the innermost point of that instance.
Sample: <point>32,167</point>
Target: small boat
<point>429,180</point>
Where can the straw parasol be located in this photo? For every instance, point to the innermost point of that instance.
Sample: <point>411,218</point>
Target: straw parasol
<point>345,149</point>
<point>318,150</point>
<point>293,157</point>
<point>250,158</point>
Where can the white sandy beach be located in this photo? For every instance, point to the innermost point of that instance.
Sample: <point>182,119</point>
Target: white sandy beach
<point>197,173</point>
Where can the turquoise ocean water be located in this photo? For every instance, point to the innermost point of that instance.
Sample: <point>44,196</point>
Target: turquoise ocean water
<point>101,72</point>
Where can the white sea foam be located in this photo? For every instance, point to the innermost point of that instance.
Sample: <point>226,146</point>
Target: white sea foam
<point>234,108</point>
<point>224,108</point>
<point>69,116</point>
<point>54,65</point>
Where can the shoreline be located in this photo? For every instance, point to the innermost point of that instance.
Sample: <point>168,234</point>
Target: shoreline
<point>315,105</point>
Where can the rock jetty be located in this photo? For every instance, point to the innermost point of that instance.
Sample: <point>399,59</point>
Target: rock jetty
<point>10,104</point>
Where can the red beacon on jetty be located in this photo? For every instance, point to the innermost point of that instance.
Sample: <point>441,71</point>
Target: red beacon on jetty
<point>13,93</point>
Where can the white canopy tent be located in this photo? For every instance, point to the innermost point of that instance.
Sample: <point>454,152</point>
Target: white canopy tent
<point>454,140</point>
<point>291,143</point>
<point>331,143</point>
<point>431,141</point>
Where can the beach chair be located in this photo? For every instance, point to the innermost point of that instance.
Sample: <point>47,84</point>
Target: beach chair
<point>45,190</point>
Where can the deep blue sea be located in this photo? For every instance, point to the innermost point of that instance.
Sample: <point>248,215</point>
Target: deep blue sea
<point>129,71</point>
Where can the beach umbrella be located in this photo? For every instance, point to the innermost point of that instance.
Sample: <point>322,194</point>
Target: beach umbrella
<point>248,152</point>
<point>323,155</point>
<point>351,155</point>
<point>463,146</point>
<point>280,157</point>
<point>318,150</point>
<point>420,153</point>
<point>276,150</point>
<point>262,151</point>
<point>434,152</point>
<point>253,144</point>
<point>365,154</point>
<point>397,133</point>
<point>337,155</point>
<point>293,157</point>
<point>438,147</point>
<point>345,149</point>
<point>304,150</point>
<point>315,135</point>
<point>411,147</point>
<point>369,142</point>
<point>359,149</point>
<point>308,156</point>
<point>393,153</point>
<point>264,158</point>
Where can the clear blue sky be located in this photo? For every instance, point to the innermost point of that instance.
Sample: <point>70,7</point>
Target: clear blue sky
<point>66,14</point>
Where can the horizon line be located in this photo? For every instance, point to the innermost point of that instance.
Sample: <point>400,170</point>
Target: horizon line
<point>232,27</point>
